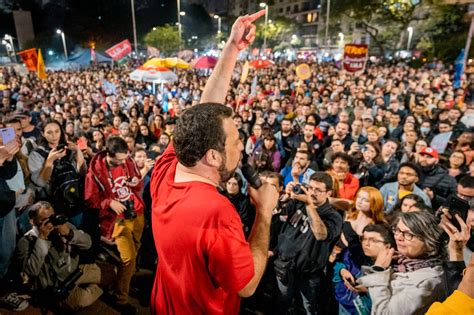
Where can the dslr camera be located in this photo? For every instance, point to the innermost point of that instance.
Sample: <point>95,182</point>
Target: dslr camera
<point>297,189</point>
<point>130,212</point>
<point>58,219</point>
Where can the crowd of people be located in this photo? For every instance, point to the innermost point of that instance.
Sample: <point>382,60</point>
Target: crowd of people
<point>374,173</point>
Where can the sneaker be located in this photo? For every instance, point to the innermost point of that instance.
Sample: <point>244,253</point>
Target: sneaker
<point>125,309</point>
<point>14,302</point>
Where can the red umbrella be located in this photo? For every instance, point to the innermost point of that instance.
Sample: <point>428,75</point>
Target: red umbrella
<point>261,63</point>
<point>204,62</point>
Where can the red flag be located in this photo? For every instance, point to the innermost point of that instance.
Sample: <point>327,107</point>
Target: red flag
<point>120,50</point>
<point>29,58</point>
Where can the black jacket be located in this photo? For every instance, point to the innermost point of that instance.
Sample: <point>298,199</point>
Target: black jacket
<point>296,241</point>
<point>7,196</point>
<point>440,182</point>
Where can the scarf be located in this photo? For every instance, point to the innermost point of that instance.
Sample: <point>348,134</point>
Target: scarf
<point>405,264</point>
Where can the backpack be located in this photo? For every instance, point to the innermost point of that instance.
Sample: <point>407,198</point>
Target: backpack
<point>66,185</point>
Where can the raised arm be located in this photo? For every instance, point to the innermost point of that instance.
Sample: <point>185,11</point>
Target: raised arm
<point>241,36</point>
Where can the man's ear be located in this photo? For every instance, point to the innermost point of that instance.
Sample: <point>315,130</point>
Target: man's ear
<point>213,158</point>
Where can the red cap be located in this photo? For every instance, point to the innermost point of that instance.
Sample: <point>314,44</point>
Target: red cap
<point>430,151</point>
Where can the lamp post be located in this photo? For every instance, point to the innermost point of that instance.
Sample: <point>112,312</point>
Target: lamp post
<point>264,5</point>
<point>218,18</point>
<point>134,25</point>
<point>8,39</point>
<point>59,32</point>
<point>410,36</point>
<point>326,39</point>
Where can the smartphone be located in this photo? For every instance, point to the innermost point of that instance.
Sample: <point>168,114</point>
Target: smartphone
<point>82,143</point>
<point>61,147</point>
<point>7,134</point>
<point>457,206</point>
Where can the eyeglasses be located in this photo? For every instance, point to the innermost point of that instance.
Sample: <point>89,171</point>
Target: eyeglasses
<point>316,190</point>
<point>406,235</point>
<point>371,240</point>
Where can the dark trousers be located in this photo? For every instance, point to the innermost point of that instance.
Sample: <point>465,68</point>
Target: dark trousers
<point>308,285</point>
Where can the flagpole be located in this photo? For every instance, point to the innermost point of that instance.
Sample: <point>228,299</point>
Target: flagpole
<point>469,36</point>
<point>134,27</point>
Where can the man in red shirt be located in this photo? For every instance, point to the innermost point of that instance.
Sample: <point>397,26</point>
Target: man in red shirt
<point>113,186</point>
<point>205,264</point>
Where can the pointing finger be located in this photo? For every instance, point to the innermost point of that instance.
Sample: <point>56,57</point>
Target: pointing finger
<point>256,15</point>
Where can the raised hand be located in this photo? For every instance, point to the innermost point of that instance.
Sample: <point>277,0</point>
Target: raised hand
<point>243,31</point>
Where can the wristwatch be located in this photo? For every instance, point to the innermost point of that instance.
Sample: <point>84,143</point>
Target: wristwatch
<point>377,268</point>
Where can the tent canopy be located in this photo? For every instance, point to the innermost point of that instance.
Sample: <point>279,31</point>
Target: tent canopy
<point>85,57</point>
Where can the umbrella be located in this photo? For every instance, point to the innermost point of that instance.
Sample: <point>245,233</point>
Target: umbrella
<point>261,63</point>
<point>153,74</point>
<point>167,63</point>
<point>204,62</point>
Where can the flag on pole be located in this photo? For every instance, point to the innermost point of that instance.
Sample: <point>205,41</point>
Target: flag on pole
<point>29,58</point>
<point>152,52</point>
<point>41,68</point>
<point>458,69</point>
<point>253,88</point>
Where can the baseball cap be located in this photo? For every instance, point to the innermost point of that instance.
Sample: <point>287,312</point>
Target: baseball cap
<point>367,117</point>
<point>430,151</point>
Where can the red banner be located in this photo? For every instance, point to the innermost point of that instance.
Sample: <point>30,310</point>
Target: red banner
<point>120,50</point>
<point>29,58</point>
<point>355,57</point>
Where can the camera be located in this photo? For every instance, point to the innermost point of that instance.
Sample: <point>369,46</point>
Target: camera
<point>58,219</point>
<point>297,189</point>
<point>130,212</point>
<point>363,149</point>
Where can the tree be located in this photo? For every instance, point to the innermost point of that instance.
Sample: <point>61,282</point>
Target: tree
<point>165,38</point>
<point>279,30</point>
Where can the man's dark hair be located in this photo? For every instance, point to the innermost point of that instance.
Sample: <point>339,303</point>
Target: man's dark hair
<point>411,165</point>
<point>12,120</point>
<point>85,117</point>
<point>322,177</point>
<point>308,153</point>
<point>384,231</point>
<point>343,156</point>
<point>198,130</point>
<point>444,122</point>
<point>393,140</point>
<point>276,175</point>
<point>310,124</point>
<point>116,145</point>
<point>467,181</point>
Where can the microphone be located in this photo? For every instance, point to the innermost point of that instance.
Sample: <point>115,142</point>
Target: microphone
<point>251,176</point>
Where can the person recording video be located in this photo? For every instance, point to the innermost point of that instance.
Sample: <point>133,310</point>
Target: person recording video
<point>198,233</point>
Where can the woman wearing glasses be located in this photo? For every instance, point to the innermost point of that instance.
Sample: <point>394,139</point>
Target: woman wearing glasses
<point>409,281</point>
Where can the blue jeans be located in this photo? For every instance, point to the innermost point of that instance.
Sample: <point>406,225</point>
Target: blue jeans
<point>7,241</point>
<point>309,286</point>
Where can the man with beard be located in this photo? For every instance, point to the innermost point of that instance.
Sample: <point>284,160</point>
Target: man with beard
<point>435,179</point>
<point>285,139</point>
<point>407,177</point>
<point>342,132</point>
<point>299,170</point>
<point>113,187</point>
<point>205,264</point>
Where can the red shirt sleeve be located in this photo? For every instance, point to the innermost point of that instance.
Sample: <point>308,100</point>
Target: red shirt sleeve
<point>230,259</point>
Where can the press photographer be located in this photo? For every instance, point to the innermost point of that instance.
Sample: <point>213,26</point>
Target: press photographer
<point>305,241</point>
<point>49,258</point>
<point>114,188</point>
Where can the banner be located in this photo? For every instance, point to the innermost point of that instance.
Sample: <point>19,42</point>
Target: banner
<point>245,72</point>
<point>120,50</point>
<point>152,52</point>
<point>355,57</point>
<point>41,67</point>
<point>29,58</point>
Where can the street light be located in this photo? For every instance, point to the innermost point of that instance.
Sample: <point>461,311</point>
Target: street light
<point>182,13</point>
<point>326,38</point>
<point>59,32</point>
<point>9,40</point>
<point>218,18</point>
<point>264,5</point>
<point>178,12</point>
<point>410,36</point>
